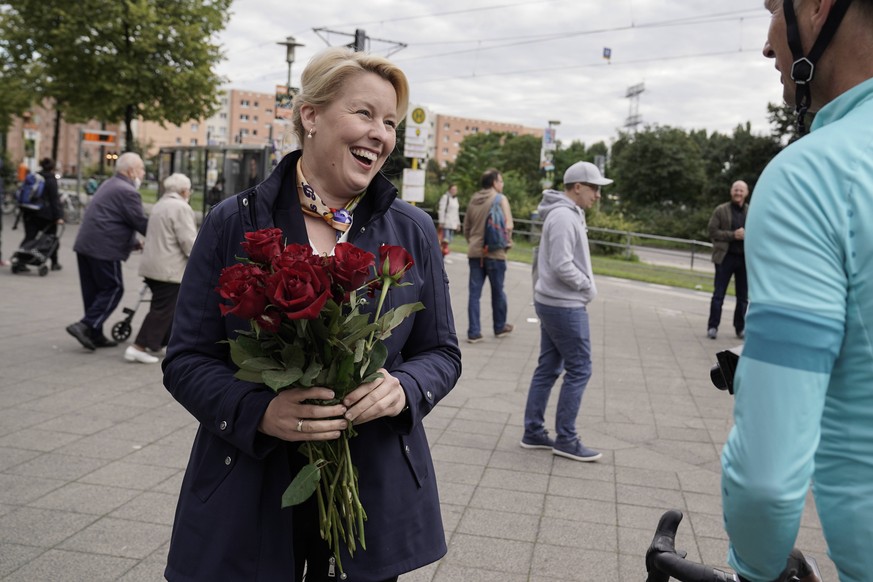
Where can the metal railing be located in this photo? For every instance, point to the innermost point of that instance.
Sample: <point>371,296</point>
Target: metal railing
<point>672,251</point>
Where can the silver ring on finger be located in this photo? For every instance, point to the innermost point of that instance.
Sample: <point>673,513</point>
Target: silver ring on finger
<point>300,425</point>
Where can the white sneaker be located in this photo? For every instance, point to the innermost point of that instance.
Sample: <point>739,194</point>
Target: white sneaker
<point>131,354</point>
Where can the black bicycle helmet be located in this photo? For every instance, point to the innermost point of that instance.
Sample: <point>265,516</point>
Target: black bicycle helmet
<point>803,68</point>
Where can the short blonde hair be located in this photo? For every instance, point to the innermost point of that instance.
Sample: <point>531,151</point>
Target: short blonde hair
<point>324,77</point>
<point>177,183</point>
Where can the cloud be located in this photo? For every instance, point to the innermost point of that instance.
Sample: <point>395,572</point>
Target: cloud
<point>530,61</point>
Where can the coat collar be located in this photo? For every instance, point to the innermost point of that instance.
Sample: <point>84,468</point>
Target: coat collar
<point>274,202</point>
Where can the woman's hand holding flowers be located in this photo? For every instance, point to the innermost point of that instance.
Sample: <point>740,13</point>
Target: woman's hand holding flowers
<point>288,407</point>
<point>382,397</point>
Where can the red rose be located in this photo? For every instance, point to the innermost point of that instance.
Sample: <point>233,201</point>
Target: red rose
<point>243,285</point>
<point>394,261</point>
<point>262,245</point>
<point>299,290</point>
<point>293,253</point>
<point>351,266</point>
<point>270,319</point>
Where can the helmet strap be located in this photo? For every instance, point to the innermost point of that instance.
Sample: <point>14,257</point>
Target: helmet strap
<point>803,67</point>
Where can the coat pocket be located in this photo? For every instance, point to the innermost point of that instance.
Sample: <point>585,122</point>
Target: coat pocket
<point>216,459</point>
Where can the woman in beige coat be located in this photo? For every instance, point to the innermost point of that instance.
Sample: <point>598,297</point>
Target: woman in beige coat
<point>169,239</point>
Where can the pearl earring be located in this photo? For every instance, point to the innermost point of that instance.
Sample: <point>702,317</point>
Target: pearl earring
<point>311,131</point>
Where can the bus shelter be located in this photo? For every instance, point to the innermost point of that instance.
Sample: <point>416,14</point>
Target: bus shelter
<point>233,167</point>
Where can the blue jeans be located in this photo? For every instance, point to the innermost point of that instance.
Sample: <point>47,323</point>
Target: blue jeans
<point>732,265</point>
<point>565,346</point>
<point>496,272</point>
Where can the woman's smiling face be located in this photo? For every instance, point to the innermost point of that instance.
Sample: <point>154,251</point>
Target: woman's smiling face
<point>352,137</point>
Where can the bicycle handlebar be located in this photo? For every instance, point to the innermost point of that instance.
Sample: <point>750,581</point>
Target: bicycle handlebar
<point>663,561</point>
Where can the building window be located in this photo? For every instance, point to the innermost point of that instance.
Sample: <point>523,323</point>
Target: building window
<point>244,102</point>
<point>445,138</point>
<point>243,117</point>
<point>195,126</point>
<point>445,151</point>
<point>222,115</point>
<point>222,131</point>
<point>446,126</point>
<point>193,141</point>
<point>244,131</point>
<point>256,103</point>
<point>255,118</point>
<point>178,141</point>
<point>254,132</point>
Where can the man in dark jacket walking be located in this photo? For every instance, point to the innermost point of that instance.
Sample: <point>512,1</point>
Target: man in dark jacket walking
<point>727,231</point>
<point>107,237</point>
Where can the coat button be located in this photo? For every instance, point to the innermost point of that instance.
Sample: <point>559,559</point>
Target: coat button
<point>227,460</point>
<point>429,395</point>
<point>223,425</point>
<point>406,448</point>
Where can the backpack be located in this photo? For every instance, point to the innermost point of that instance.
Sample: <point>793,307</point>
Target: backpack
<point>30,195</point>
<point>496,237</point>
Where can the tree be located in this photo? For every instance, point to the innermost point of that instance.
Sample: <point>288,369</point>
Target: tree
<point>659,166</point>
<point>15,93</point>
<point>783,122</point>
<point>741,156</point>
<point>119,60</point>
<point>478,152</point>
<point>517,157</point>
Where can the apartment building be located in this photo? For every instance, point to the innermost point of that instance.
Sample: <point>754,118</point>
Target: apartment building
<point>450,131</point>
<point>29,139</point>
<point>243,117</point>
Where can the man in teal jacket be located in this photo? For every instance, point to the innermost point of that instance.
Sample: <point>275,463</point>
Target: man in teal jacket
<point>804,385</point>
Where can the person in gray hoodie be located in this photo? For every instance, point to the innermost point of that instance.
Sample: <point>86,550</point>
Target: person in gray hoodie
<point>563,287</point>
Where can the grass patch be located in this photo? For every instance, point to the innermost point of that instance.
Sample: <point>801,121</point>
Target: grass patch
<point>522,251</point>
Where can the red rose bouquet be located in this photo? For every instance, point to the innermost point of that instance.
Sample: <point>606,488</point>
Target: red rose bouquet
<point>307,329</point>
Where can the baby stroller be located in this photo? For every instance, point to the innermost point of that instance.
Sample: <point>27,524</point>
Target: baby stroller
<point>36,252</point>
<point>121,330</point>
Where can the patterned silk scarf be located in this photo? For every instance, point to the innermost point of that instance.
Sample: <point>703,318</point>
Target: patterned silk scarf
<point>310,202</point>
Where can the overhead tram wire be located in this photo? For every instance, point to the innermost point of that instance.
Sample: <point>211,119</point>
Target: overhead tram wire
<point>447,13</point>
<point>535,39</point>
<point>688,20</point>
<point>586,66</point>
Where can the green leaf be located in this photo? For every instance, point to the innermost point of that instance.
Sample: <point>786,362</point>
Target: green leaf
<point>370,377</point>
<point>359,350</point>
<point>251,345</point>
<point>260,364</point>
<point>345,375</point>
<point>293,356</point>
<point>277,379</point>
<point>395,317</point>
<point>378,355</point>
<point>249,376</point>
<point>311,373</point>
<point>238,353</point>
<point>302,487</point>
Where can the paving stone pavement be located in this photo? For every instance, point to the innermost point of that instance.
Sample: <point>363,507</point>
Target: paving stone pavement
<point>92,449</point>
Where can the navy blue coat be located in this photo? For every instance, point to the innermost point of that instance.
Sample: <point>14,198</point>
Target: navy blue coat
<point>229,524</point>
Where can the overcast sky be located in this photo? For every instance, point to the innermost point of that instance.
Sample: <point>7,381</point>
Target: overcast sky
<point>531,61</point>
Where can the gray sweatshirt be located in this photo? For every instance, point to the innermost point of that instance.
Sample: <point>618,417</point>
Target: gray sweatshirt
<point>562,272</point>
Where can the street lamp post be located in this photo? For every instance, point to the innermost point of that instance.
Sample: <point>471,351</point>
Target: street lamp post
<point>290,45</point>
